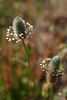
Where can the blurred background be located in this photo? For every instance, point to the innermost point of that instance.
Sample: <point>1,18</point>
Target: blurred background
<point>49,19</point>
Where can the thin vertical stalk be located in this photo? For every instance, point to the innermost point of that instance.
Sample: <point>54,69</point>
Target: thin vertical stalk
<point>28,63</point>
<point>30,67</point>
<point>51,92</point>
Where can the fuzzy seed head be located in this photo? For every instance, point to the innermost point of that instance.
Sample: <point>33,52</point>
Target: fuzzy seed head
<point>53,69</point>
<point>19,26</point>
<point>55,63</point>
<point>19,31</point>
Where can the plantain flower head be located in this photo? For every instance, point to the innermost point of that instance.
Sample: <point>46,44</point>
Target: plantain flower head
<point>19,27</point>
<point>19,31</point>
<point>52,69</point>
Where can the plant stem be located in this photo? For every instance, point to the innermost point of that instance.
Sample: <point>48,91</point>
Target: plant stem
<point>30,68</point>
<point>51,92</point>
<point>28,63</point>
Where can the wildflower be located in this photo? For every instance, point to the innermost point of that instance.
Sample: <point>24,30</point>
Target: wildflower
<point>19,31</point>
<point>19,27</point>
<point>54,69</point>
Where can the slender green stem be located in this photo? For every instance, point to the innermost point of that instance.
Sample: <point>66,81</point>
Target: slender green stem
<point>28,63</point>
<point>30,67</point>
<point>51,91</point>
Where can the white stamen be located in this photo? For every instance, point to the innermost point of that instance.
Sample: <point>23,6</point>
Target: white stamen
<point>31,26</point>
<point>25,31</point>
<point>43,61</point>
<point>15,35</point>
<point>9,39</point>
<point>30,33</point>
<point>6,37</point>
<point>27,36</point>
<point>22,37</point>
<point>40,64</point>
<point>8,30</point>
<point>17,41</point>
<point>12,38</point>
<point>14,31</point>
<point>23,21</point>
<point>28,23</point>
<point>11,33</point>
<point>21,33</point>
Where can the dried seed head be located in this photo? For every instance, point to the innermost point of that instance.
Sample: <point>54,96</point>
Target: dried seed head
<point>19,27</point>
